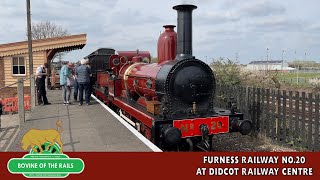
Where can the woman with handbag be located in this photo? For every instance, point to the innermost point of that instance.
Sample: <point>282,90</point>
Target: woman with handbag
<point>66,81</point>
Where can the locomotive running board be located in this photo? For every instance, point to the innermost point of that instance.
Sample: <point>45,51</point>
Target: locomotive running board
<point>134,110</point>
<point>127,119</point>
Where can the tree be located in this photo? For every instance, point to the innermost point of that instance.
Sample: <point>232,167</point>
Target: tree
<point>47,29</point>
<point>154,60</point>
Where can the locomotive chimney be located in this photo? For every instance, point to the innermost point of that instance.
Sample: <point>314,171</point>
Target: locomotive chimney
<point>184,32</point>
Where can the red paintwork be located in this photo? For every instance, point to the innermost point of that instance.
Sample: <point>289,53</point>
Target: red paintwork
<point>191,127</point>
<point>167,44</point>
<point>147,134</point>
<point>142,117</point>
<point>115,87</point>
<point>141,72</point>
<point>123,94</point>
<point>136,59</point>
<point>115,69</point>
<point>100,95</point>
<point>102,79</point>
<point>130,54</point>
<point>142,101</point>
<point>118,86</point>
<point>111,87</point>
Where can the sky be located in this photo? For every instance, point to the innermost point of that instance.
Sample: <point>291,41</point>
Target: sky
<point>234,29</point>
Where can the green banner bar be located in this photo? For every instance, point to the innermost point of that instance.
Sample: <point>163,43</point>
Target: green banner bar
<point>45,156</point>
<point>45,175</point>
<point>45,165</point>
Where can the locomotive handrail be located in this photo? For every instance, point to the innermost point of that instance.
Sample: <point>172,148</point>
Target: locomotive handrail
<point>147,77</point>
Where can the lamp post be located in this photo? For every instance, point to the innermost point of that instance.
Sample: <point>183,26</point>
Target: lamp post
<point>267,60</point>
<point>305,56</point>
<point>282,61</point>
<point>237,56</point>
<point>295,57</point>
<point>32,84</point>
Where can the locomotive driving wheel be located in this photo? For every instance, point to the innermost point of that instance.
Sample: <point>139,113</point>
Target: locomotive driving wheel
<point>147,133</point>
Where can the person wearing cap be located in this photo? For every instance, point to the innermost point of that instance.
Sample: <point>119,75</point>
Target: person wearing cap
<point>66,80</point>
<point>83,73</point>
<point>41,84</point>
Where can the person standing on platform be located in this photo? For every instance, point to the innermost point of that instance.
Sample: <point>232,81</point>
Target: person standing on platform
<point>91,79</point>
<point>75,85</point>
<point>41,84</point>
<point>1,107</point>
<point>66,81</point>
<point>83,76</point>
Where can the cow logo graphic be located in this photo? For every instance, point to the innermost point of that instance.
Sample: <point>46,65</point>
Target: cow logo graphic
<point>46,158</point>
<point>43,140</point>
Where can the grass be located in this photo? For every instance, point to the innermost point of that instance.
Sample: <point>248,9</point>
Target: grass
<point>291,78</point>
<point>294,75</point>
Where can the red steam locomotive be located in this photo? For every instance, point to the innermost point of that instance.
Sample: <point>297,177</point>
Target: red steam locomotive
<point>170,102</point>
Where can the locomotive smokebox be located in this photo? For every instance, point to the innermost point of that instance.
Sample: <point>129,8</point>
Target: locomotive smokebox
<point>184,32</point>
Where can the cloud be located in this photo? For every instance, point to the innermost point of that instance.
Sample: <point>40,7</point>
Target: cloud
<point>277,23</point>
<point>314,27</point>
<point>261,8</point>
<point>130,17</point>
<point>214,18</point>
<point>221,27</point>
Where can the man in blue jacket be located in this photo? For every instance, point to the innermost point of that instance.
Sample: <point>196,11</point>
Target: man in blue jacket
<point>83,74</point>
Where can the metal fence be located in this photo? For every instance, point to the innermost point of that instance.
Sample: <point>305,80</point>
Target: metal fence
<point>287,117</point>
<point>300,80</point>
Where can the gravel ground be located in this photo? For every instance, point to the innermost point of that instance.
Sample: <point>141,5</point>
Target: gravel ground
<point>235,142</point>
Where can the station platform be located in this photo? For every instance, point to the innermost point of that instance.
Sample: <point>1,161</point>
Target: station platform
<point>85,128</point>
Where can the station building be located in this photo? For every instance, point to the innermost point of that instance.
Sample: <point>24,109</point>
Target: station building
<point>14,59</point>
<point>271,65</point>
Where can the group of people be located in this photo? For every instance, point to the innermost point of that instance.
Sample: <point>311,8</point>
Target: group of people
<point>77,77</point>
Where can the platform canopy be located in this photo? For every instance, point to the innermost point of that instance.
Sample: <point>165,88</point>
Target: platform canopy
<point>14,57</point>
<point>50,45</point>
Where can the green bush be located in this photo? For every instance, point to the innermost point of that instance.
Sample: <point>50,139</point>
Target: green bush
<point>226,71</point>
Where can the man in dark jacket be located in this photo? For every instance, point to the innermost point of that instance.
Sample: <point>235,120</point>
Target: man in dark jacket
<point>83,77</point>
<point>41,84</point>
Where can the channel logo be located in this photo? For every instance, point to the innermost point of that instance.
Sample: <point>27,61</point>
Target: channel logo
<point>45,158</point>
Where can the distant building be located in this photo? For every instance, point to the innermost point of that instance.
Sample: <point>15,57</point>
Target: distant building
<point>272,65</point>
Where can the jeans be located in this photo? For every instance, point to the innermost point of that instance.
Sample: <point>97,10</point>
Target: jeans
<point>66,93</point>
<point>75,90</point>
<point>85,87</point>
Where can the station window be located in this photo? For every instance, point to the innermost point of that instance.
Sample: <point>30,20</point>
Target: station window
<point>18,66</point>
